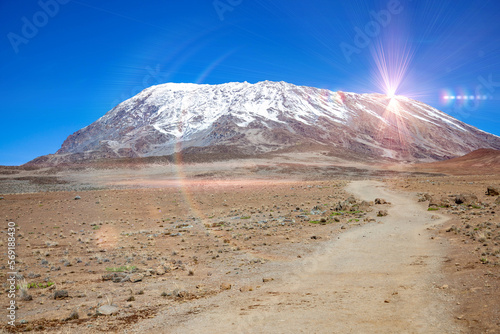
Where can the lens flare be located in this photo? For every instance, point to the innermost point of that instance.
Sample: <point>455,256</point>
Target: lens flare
<point>462,97</point>
<point>392,62</point>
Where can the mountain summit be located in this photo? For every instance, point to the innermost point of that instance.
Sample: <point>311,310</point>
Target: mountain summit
<point>271,116</point>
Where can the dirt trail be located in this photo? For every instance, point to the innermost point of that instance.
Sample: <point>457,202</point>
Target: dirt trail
<point>377,278</point>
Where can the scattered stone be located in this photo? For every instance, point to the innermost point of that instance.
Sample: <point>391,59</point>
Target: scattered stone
<point>343,206</point>
<point>72,316</point>
<point>268,279</point>
<point>160,270</point>
<point>107,277</point>
<point>118,279</point>
<point>315,237</point>
<point>60,294</point>
<point>425,197</point>
<point>493,191</point>
<point>387,301</point>
<point>131,299</point>
<point>317,210</point>
<point>364,206</point>
<point>246,288</point>
<point>466,199</point>
<point>351,200</point>
<point>225,286</point>
<point>25,296</point>
<point>180,293</point>
<point>443,202</point>
<point>497,201</point>
<point>382,213</point>
<point>77,198</point>
<point>380,201</point>
<point>135,277</point>
<point>108,310</point>
<point>115,277</point>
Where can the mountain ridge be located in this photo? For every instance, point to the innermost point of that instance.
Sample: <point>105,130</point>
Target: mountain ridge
<point>269,116</point>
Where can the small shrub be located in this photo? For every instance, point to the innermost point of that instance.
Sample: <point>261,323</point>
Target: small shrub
<point>121,269</point>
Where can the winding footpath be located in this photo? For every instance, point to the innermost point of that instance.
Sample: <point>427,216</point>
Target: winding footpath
<point>376,278</point>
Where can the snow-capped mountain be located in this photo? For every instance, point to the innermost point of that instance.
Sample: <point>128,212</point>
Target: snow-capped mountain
<point>269,116</point>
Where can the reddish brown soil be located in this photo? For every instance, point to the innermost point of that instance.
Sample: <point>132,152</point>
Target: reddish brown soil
<point>479,162</point>
<point>204,232</point>
<point>473,265</point>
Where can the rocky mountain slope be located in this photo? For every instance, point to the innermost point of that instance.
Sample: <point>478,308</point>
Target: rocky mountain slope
<point>270,116</point>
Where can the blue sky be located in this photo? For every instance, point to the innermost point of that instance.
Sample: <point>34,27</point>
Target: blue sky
<point>64,64</point>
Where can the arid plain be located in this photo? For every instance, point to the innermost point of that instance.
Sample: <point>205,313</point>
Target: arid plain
<point>303,242</point>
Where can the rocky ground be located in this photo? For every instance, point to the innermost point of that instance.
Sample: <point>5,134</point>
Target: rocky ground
<point>104,257</point>
<point>146,249</point>
<point>473,228</point>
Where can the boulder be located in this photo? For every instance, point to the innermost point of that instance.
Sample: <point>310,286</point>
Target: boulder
<point>72,316</point>
<point>160,270</point>
<point>443,202</point>
<point>25,296</point>
<point>343,206</point>
<point>115,277</point>
<point>364,206</point>
<point>225,286</point>
<point>60,294</point>
<point>246,288</point>
<point>493,191</point>
<point>108,310</point>
<point>351,200</point>
<point>466,198</point>
<point>425,197</point>
<point>382,213</point>
<point>135,277</point>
